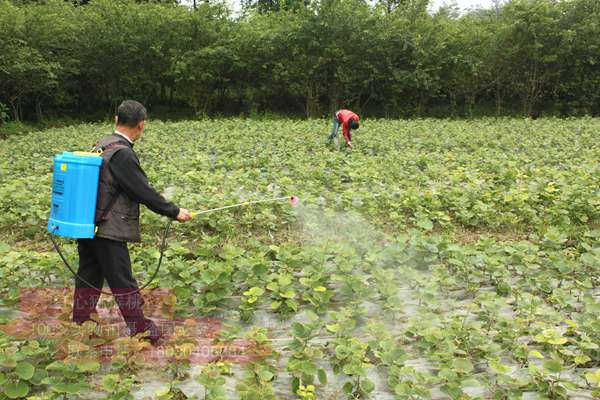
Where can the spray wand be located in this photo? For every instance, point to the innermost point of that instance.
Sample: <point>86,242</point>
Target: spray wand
<point>292,199</point>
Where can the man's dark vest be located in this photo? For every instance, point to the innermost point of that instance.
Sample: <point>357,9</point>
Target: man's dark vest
<point>117,216</point>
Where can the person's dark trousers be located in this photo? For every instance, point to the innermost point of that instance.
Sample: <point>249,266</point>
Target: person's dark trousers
<point>101,259</point>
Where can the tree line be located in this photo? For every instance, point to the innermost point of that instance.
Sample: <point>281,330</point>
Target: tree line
<point>388,58</point>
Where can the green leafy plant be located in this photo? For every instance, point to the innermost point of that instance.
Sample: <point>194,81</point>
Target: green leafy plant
<point>249,301</point>
<point>257,382</point>
<point>22,368</point>
<point>316,292</point>
<point>350,358</point>
<point>118,387</point>
<point>212,378</point>
<point>283,294</point>
<point>68,378</point>
<point>302,364</point>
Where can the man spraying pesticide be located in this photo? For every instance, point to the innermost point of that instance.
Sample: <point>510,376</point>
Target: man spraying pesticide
<point>121,186</point>
<point>348,120</point>
<point>96,198</point>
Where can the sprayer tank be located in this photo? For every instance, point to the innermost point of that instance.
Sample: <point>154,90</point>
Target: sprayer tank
<point>74,191</point>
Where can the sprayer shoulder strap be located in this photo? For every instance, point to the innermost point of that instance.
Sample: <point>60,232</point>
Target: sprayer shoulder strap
<point>110,205</point>
<point>117,193</point>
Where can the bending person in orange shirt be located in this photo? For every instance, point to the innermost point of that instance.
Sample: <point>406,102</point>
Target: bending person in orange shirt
<point>349,121</point>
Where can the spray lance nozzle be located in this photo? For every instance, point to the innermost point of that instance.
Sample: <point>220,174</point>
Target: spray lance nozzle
<point>292,199</point>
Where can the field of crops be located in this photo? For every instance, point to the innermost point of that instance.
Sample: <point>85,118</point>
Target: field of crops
<point>439,259</point>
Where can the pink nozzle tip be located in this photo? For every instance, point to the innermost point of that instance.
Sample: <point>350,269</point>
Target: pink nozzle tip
<point>294,200</point>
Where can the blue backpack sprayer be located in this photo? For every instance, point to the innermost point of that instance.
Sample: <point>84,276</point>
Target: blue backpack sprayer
<point>73,207</point>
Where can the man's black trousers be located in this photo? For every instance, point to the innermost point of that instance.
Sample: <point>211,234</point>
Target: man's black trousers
<point>104,259</point>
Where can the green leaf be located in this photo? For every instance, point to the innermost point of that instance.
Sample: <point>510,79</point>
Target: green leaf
<point>305,281</point>
<point>58,366</point>
<point>285,280</point>
<point>298,330</point>
<point>352,369</point>
<point>8,362</point>
<point>499,368</point>
<point>553,366</point>
<point>288,294</point>
<point>470,382</point>
<point>536,354</point>
<point>16,390</point>
<point>88,366</point>
<point>292,305</point>
<point>265,375</point>
<point>367,385</point>
<point>208,277</point>
<point>311,316</point>
<point>403,389</point>
<point>275,305</point>
<point>69,388</point>
<point>462,365</point>
<point>425,223</point>
<point>348,387</point>
<point>582,359</point>
<point>341,351</point>
<point>110,382</point>
<point>295,384</point>
<point>254,291</point>
<point>557,341</point>
<point>38,376</point>
<point>24,370</point>
<point>322,374</point>
<point>452,389</point>
<point>594,377</point>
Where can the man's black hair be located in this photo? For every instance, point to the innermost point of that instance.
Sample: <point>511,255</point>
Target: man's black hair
<point>130,113</point>
<point>353,124</point>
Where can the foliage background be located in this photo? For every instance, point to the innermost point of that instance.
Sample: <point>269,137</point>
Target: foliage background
<point>388,58</point>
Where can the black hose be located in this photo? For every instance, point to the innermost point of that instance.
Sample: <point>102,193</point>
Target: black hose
<point>163,245</point>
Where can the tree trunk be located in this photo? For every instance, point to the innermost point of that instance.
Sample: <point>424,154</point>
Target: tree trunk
<point>38,109</point>
<point>498,97</point>
<point>470,105</point>
<point>333,98</point>
<point>14,107</point>
<point>453,104</point>
<point>309,107</point>
<point>420,106</point>
<point>363,105</point>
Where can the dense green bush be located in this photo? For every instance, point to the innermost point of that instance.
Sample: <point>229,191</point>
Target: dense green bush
<point>389,58</point>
